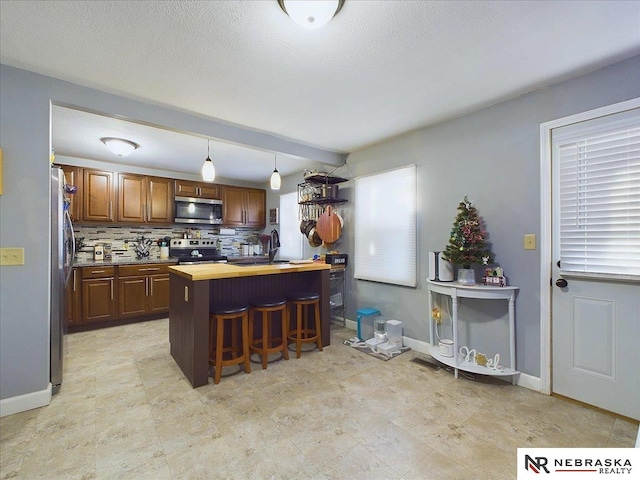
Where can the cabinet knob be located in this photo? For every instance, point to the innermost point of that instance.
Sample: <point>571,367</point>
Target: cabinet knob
<point>561,282</point>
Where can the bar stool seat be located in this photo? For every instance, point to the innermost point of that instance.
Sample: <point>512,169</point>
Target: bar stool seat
<point>268,344</point>
<point>303,333</point>
<point>220,314</point>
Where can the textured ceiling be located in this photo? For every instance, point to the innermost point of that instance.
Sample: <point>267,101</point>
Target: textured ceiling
<point>378,69</point>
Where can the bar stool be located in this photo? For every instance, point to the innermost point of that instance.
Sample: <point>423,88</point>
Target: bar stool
<point>220,314</point>
<point>268,344</point>
<point>303,301</point>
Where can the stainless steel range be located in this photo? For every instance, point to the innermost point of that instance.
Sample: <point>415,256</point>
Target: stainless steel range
<point>190,251</point>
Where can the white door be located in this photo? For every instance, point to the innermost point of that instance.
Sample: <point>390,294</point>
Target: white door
<point>596,256</point>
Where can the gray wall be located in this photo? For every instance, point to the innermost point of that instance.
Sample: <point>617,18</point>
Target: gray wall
<point>491,155</point>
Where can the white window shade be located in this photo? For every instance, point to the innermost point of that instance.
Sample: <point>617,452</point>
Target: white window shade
<point>290,237</point>
<point>599,173</point>
<point>385,227</point>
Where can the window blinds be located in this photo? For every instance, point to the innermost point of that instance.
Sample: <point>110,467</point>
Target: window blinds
<point>385,227</point>
<point>599,188</point>
<point>290,238</point>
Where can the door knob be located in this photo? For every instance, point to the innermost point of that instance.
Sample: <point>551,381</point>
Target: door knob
<point>561,282</point>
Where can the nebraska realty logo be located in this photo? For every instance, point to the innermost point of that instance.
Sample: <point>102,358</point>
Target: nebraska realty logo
<point>583,463</point>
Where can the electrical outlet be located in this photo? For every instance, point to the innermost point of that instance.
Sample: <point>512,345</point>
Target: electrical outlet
<point>11,256</point>
<point>236,244</point>
<point>530,241</point>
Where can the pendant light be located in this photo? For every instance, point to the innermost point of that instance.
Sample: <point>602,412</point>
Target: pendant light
<point>311,14</point>
<point>208,170</point>
<point>276,181</point>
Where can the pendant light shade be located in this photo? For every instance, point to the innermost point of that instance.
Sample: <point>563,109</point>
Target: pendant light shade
<point>311,14</point>
<point>276,181</point>
<point>119,146</point>
<point>208,170</point>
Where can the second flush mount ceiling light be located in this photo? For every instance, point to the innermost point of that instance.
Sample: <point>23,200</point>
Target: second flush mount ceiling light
<point>311,14</point>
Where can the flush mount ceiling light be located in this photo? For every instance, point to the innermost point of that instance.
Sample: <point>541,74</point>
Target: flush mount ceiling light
<point>276,181</point>
<point>311,14</point>
<point>208,170</point>
<point>119,146</point>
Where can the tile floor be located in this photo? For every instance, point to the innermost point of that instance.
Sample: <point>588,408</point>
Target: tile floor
<point>125,411</point>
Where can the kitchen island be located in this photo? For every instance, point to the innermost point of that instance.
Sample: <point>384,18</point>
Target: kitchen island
<point>194,288</point>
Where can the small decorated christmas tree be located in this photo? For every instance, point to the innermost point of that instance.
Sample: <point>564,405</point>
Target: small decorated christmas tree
<point>467,244</point>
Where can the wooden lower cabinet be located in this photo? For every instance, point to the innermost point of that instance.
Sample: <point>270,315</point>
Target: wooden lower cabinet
<point>117,293</point>
<point>143,289</point>
<point>98,294</point>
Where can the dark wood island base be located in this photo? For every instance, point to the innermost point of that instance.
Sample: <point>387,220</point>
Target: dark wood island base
<point>193,288</point>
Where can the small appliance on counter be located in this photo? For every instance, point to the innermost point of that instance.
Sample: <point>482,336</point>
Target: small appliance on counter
<point>98,252</point>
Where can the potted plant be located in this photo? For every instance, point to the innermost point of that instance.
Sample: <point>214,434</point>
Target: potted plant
<point>467,243</point>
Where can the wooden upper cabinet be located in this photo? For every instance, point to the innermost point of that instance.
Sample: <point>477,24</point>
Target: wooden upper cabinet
<point>73,176</point>
<point>132,198</point>
<point>160,200</point>
<point>233,206</point>
<point>185,188</point>
<point>143,199</point>
<point>256,200</point>
<point>99,196</point>
<point>243,207</point>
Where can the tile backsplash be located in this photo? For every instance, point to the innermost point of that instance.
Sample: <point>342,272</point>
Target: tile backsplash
<point>121,237</point>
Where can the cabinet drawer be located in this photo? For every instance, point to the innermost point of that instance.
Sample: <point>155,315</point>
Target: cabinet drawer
<point>98,272</point>
<point>146,269</point>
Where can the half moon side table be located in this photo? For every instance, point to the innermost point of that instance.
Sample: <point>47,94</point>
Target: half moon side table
<point>483,292</point>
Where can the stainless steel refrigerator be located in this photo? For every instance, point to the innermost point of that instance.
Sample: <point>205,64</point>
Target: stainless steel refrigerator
<point>62,254</point>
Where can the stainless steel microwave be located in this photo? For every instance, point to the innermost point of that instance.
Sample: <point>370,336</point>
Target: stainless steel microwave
<point>198,210</point>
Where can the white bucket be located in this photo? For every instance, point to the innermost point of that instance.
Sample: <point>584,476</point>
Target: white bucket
<point>446,347</point>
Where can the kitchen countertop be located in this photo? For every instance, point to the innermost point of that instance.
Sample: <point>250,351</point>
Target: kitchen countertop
<point>214,271</point>
<point>123,261</point>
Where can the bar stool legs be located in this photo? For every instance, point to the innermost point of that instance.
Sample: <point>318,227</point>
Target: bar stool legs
<point>303,333</point>
<point>269,344</point>
<point>219,315</point>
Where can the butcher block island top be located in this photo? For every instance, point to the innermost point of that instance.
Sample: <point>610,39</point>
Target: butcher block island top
<point>193,289</point>
<point>214,271</point>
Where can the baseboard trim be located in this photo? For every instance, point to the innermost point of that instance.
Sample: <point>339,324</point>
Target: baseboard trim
<point>524,380</point>
<point>22,403</point>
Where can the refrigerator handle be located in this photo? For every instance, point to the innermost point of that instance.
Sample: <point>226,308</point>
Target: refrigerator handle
<point>69,225</point>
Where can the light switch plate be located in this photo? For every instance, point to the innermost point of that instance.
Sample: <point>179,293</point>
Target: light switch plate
<point>530,241</point>
<point>11,256</point>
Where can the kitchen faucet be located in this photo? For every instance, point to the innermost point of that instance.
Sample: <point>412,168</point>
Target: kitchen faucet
<point>274,244</point>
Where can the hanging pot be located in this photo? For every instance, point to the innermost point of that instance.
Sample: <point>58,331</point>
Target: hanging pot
<point>314,238</point>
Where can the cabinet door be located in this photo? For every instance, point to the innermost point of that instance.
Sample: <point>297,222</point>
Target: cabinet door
<point>98,300</point>
<point>255,208</point>
<point>160,200</point>
<point>209,190</point>
<point>98,196</point>
<point>233,206</point>
<point>184,188</point>
<point>73,176</point>
<point>159,293</point>
<point>132,198</point>
<point>133,296</point>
